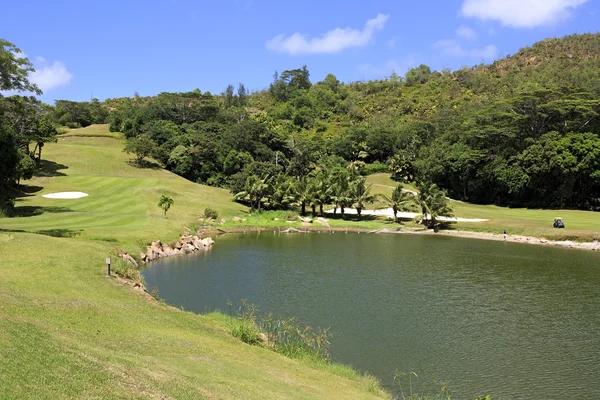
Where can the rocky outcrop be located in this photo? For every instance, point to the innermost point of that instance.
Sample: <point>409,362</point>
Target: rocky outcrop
<point>186,244</point>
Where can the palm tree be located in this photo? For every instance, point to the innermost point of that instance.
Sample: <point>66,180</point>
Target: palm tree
<point>340,190</point>
<point>433,203</point>
<point>302,193</point>
<point>399,201</point>
<point>319,192</point>
<point>361,194</point>
<point>254,190</point>
<point>281,193</point>
<point>165,203</point>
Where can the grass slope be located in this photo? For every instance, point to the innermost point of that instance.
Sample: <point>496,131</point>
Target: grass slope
<point>579,224</point>
<point>68,331</point>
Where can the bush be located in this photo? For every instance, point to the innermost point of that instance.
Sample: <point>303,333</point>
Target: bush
<point>125,270</point>
<point>375,168</point>
<point>244,326</point>
<point>73,125</point>
<point>211,213</point>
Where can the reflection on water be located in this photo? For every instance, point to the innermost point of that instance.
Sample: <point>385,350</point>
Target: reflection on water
<point>511,320</point>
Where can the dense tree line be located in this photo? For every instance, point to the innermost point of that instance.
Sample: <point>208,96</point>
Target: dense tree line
<point>522,131</point>
<point>25,124</point>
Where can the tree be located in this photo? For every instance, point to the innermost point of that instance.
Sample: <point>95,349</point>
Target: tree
<point>14,73</point>
<point>361,194</point>
<point>242,95</point>
<point>141,146</point>
<point>400,200</point>
<point>15,70</point>
<point>165,203</point>
<point>433,203</point>
<point>228,96</point>
<point>255,190</point>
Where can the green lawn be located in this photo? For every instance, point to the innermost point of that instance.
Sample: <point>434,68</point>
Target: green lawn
<point>68,331</point>
<point>91,131</point>
<point>531,222</point>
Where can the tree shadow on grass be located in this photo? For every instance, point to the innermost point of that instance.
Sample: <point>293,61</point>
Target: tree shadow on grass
<point>351,217</point>
<point>62,233</point>
<point>30,211</point>
<point>145,164</point>
<point>48,168</point>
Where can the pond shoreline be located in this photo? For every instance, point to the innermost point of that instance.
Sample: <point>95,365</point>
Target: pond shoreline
<point>593,246</point>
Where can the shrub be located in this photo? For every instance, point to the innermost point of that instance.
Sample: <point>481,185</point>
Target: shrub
<point>125,270</point>
<point>73,125</point>
<point>244,326</point>
<point>375,168</point>
<point>211,213</point>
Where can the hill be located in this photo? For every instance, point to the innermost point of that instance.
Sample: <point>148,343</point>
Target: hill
<point>68,331</point>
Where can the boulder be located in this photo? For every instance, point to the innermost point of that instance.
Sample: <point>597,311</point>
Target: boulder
<point>208,242</point>
<point>143,257</point>
<point>150,254</point>
<point>236,219</point>
<point>223,221</point>
<point>198,244</point>
<point>190,248</point>
<point>169,252</point>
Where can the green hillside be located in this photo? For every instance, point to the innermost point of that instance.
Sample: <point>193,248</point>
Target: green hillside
<point>68,331</point>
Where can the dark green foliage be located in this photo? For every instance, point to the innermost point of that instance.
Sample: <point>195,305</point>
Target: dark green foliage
<point>521,131</point>
<point>211,213</point>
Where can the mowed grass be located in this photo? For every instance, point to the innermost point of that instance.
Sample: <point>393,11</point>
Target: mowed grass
<point>100,130</point>
<point>68,331</point>
<point>580,225</point>
<point>123,199</point>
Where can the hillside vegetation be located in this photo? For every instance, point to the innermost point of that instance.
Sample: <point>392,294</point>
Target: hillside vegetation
<point>68,331</point>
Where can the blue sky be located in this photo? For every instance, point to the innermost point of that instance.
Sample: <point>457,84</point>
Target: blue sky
<point>115,48</point>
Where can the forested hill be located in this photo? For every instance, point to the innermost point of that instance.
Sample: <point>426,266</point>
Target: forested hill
<point>523,131</point>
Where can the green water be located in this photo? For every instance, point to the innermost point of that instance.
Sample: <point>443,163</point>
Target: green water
<point>510,320</point>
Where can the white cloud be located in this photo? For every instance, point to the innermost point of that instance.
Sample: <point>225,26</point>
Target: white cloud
<point>520,13</point>
<point>331,42</point>
<point>49,75</point>
<point>454,48</point>
<point>465,32</point>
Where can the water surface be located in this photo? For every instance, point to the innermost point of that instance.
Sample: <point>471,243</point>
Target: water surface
<point>510,320</point>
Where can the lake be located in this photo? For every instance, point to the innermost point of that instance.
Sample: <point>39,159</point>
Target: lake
<point>506,319</point>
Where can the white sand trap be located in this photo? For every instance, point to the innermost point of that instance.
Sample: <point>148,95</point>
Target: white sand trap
<point>389,213</point>
<point>65,195</point>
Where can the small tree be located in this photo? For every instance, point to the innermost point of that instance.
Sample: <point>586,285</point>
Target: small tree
<point>433,203</point>
<point>141,146</point>
<point>361,194</point>
<point>165,203</point>
<point>399,201</point>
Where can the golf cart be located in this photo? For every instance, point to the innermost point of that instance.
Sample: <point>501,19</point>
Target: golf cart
<point>558,223</point>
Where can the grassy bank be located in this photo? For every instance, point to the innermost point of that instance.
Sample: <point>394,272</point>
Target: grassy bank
<point>68,331</point>
<point>580,225</point>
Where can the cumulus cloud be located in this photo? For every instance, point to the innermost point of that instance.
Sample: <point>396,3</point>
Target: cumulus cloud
<point>49,75</point>
<point>454,48</point>
<point>520,13</point>
<point>465,32</point>
<point>333,41</point>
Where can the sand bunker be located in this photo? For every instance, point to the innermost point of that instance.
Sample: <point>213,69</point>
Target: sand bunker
<point>65,195</point>
<point>389,213</point>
